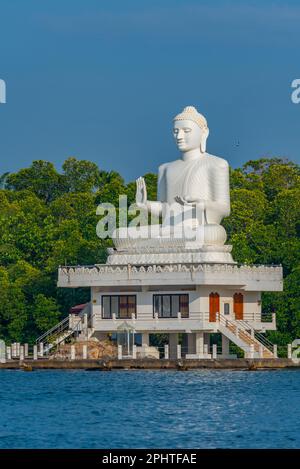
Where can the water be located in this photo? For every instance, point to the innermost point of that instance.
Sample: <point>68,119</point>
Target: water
<point>150,409</point>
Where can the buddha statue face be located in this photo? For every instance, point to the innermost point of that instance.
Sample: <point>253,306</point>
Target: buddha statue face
<point>188,135</point>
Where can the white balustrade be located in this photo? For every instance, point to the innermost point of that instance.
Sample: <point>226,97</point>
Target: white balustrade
<point>120,352</point>
<point>8,353</point>
<point>167,352</point>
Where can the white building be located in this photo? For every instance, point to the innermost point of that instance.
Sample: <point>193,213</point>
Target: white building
<point>181,279</point>
<point>194,299</point>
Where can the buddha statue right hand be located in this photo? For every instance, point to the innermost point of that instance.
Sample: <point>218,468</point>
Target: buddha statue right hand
<point>141,193</point>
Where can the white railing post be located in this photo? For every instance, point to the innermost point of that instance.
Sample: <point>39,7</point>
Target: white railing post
<point>179,316</point>
<point>41,349</point>
<point>252,333</point>
<point>289,351</point>
<point>113,316</point>
<point>261,351</point>
<point>134,352</point>
<point>26,350</point>
<point>251,354</point>
<point>35,352</point>
<point>119,352</point>
<point>18,349</point>
<point>214,351</point>
<point>178,352</point>
<point>21,353</point>
<point>84,352</point>
<point>8,353</point>
<point>3,353</point>
<point>166,351</point>
<point>205,350</point>
<point>85,325</point>
<point>73,352</point>
<point>274,319</point>
<point>156,316</point>
<point>275,350</point>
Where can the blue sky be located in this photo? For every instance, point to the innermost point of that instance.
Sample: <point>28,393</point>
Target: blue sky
<point>102,80</point>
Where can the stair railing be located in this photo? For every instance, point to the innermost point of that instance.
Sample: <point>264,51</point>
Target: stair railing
<point>257,335</point>
<point>242,327</point>
<point>51,337</point>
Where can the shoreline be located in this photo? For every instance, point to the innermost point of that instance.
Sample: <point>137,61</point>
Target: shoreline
<point>150,364</point>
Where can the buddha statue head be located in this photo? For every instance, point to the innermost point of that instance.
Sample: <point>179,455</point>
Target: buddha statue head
<point>190,130</point>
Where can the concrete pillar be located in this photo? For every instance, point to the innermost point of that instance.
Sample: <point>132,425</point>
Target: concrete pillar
<point>275,350</point>
<point>145,338</point>
<point>207,341</point>
<point>119,352</point>
<point>41,349</point>
<point>8,353</point>
<point>289,351</point>
<point>191,343</point>
<point>167,352</point>
<point>134,352</point>
<point>73,352</point>
<point>205,350</point>
<point>21,353</point>
<point>214,351</point>
<point>199,343</point>
<point>35,352</point>
<point>26,350</point>
<point>225,345</point>
<point>18,349</point>
<point>13,350</point>
<point>173,342</point>
<point>84,352</point>
<point>178,351</point>
<point>85,321</point>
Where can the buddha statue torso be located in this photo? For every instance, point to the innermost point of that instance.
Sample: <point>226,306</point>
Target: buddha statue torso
<point>203,178</point>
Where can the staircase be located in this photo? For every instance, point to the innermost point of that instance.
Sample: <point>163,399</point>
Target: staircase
<point>250,342</point>
<point>65,329</point>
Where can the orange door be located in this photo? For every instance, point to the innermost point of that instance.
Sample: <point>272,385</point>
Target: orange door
<point>238,305</point>
<point>214,306</point>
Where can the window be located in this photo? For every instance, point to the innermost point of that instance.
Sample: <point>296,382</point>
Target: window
<point>123,306</point>
<point>226,308</point>
<point>168,306</point>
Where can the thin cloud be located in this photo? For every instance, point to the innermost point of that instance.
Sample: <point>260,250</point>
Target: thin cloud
<point>184,22</point>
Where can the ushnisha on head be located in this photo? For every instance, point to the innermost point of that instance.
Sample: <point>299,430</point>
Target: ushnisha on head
<point>190,130</point>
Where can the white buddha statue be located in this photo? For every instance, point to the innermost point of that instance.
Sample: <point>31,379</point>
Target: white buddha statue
<point>193,191</point>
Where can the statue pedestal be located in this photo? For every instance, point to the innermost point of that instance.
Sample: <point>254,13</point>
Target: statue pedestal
<point>155,244</point>
<point>171,255</point>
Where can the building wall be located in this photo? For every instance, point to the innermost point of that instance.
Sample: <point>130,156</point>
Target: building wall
<point>198,302</point>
